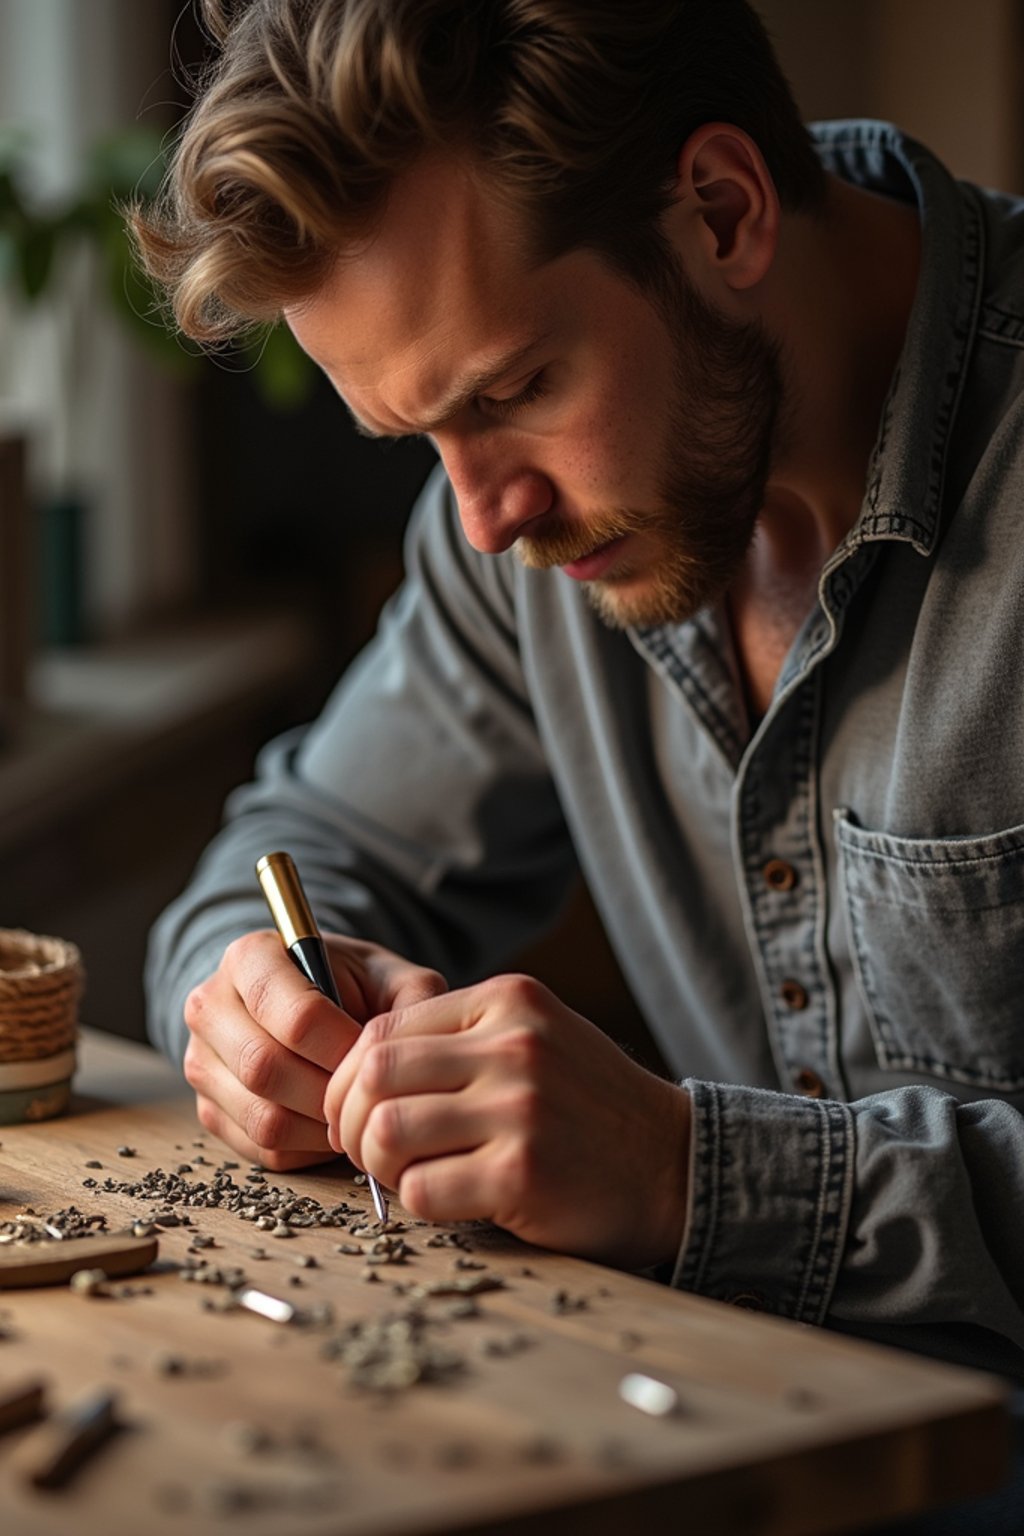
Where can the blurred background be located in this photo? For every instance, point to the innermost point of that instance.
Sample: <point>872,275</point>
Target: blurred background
<point>192,549</point>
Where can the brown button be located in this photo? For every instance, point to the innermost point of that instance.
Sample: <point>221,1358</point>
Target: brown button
<point>794,995</point>
<point>752,1300</point>
<point>808,1083</point>
<point>779,875</point>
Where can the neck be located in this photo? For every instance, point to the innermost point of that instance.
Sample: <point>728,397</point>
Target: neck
<point>841,295</point>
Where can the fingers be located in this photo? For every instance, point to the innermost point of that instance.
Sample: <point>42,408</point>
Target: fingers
<point>418,1098</point>
<point>426,1126</point>
<point>263,1122</point>
<point>385,1069</point>
<point>501,1019</point>
<point>263,1039</point>
<point>450,1013</point>
<point>277,1159</point>
<point>373,980</point>
<point>286,1005</point>
<point>403,986</point>
<point>458,1188</point>
<point>235,1050</point>
<point>261,1097</point>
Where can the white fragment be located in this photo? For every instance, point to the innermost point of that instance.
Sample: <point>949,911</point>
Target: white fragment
<point>260,1302</point>
<point>654,1397</point>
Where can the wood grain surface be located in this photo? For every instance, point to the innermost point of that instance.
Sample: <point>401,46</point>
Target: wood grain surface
<point>230,1422</point>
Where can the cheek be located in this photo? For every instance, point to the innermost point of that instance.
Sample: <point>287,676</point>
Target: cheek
<point>613,457</point>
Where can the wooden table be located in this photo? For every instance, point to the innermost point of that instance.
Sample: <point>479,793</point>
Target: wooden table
<point>233,1422</point>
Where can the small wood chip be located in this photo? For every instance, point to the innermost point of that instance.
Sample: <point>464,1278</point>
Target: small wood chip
<point>51,1455</point>
<point>21,1403</point>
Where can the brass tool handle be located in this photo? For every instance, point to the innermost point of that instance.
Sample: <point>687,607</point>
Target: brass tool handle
<point>280,883</point>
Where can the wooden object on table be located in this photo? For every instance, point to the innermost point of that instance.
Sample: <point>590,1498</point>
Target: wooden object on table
<point>21,1403</point>
<point>782,1430</point>
<point>52,1263</point>
<point>52,1455</point>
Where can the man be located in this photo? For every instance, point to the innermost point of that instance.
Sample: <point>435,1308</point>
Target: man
<point>730,424</point>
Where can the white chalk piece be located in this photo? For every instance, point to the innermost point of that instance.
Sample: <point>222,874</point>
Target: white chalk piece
<point>270,1307</point>
<point>654,1397</point>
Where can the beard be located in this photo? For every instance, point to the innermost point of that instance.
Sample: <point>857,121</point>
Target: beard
<point>722,430</point>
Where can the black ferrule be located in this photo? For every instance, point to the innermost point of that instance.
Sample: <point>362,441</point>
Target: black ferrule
<point>311,958</point>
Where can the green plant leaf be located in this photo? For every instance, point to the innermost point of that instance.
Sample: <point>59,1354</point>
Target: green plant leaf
<point>124,165</point>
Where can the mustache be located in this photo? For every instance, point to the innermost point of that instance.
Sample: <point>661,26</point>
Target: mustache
<point>563,541</point>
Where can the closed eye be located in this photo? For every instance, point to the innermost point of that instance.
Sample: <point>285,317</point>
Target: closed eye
<point>512,404</point>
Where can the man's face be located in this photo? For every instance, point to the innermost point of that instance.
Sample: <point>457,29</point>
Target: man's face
<point>580,423</point>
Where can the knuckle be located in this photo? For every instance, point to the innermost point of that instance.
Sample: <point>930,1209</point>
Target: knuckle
<point>520,993</point>
<point>244,949</point>
<point>265,1123</point>
<point>525,1109</point>
<point>257,1065</point>
<point>249,964</point>
<point>377,1064</point>
<point>196,1006</point>
<point>378,1030</point>
<point>296,1023</point>
<point>386,1125</point>
<point>521,1049</point>
<point>192,1067</point>
<point>256,995</point>
<point>423,984</point>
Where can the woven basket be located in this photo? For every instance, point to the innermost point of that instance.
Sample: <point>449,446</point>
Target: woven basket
<point>41,981</point>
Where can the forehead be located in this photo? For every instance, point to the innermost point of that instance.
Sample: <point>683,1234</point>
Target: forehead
<point>447,267</point>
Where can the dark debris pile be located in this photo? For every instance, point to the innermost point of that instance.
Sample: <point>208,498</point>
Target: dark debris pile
<point>256,1200</point>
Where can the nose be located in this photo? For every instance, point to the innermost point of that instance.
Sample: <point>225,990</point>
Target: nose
<point>496,502</point>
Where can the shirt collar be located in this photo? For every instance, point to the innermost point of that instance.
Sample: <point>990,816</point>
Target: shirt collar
<point>903,499</point>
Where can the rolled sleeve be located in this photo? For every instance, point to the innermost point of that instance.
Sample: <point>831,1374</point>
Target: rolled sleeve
<point>771,1186</point>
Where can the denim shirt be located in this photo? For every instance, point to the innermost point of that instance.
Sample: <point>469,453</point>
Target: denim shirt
<point>822,921</point>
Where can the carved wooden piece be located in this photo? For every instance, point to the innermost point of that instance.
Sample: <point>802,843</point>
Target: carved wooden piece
<point>52,1262</point>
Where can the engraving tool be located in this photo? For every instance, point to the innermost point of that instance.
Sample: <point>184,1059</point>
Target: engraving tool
<point>294,921</point>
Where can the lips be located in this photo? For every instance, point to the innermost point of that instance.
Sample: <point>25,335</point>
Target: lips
<point>593,566</point>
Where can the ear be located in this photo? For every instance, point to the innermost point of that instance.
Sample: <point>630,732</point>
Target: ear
<point>727,213</point>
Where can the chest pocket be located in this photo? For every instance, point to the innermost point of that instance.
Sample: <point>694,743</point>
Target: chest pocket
<point>937,935</point>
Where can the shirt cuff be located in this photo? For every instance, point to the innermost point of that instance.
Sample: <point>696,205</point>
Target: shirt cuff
<point>771,1187</point>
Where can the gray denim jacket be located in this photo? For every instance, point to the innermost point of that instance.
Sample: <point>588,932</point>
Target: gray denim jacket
<point>823,922</point>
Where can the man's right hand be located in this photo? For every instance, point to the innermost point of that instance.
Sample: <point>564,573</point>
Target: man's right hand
<point>263,1042</point>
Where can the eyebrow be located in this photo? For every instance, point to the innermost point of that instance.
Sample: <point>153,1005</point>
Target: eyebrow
<point>461,395</point>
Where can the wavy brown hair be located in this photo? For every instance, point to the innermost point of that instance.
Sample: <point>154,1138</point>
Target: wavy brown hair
<point>573,110</point>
